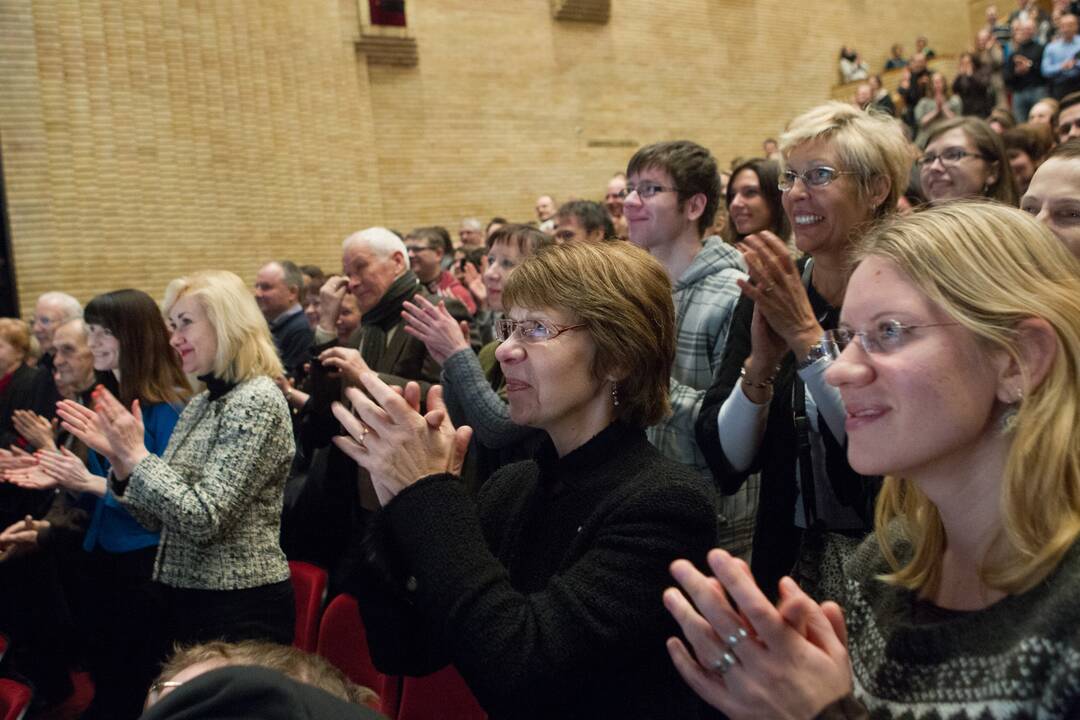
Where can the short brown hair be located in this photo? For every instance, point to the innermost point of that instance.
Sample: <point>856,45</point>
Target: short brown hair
<point>1035,139</point>
<point>623,295</point>
<point>525,238</point>
<point>289,661</point>
<point>692,168</point>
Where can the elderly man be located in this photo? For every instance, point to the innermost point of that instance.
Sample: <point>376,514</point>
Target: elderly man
<point>1059,59</point>
<point>580,220</point>
<point>325,523</point>
<point>545,212</point>
<point>278,285</point>
<point>673,195</point>
<point>51,310</point>
<point>471,233</point>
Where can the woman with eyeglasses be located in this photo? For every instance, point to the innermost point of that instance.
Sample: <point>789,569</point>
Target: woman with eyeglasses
<point>958,360</point>
<point>769,410</point>
<point>965,158</point>
<point>474,388</point>
<point>543,591</point>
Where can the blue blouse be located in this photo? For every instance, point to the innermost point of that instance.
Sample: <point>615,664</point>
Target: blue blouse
<point>111,526</point>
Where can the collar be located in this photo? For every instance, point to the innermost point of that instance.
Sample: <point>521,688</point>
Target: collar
<point>216,385</point>
<point>284,317</point>
<point>577,466</point>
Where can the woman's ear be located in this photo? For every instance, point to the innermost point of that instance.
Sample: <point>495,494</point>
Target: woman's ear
<point>1038,347</point>
<point>880,185</point>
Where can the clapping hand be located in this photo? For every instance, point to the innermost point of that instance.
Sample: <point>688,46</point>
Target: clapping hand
<point>788,661</point>
<point>20,537</point>
<point>389,437</point>
<point>38,431</point>
<point>15,458</point>
<point>30,478</point>
<point>65,467</point>
<point>435,327</point>
<point>123,430</point>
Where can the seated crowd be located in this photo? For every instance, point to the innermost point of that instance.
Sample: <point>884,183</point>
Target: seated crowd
<point>831,395</point>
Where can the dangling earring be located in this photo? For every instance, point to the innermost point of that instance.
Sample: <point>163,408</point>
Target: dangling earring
<point>615,394</point>
<point>1008,418</point>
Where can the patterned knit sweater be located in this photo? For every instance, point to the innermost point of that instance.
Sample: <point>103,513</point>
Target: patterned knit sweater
<point>1018,658</point>
<point>216,493</point>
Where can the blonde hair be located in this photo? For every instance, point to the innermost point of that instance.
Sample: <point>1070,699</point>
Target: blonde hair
<point>989,267</point>
<point>868,143</point>
<point>623,296</point>
<point>289,661</point>
<point>244,347</point>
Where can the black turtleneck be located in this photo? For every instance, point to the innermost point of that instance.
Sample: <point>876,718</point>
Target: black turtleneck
<point>216,385</point>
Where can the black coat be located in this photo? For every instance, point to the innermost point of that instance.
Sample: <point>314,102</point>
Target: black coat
<point>546,593</point>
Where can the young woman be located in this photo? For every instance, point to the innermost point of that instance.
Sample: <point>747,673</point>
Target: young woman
<point>541,592</point>
<point>958,359</point>
<point>754,201</point>
<point>965,158</point>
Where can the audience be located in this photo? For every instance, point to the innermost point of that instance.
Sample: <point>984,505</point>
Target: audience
<point>965,158</point>
<point>543,591</point>
<point>516,522</point>
<point>957,362</point>
<point>1053,196</point>
<point>216,493</point>
<point>769,410</point>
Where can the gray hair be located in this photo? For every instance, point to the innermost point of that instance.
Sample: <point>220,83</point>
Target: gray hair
<point>380,241</point>
<point>472,223</point>
<point>84,332</point>
<point>69,306</point>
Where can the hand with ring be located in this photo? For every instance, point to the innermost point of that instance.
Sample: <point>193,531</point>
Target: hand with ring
<point>389,437</point>
<point>788,661</point>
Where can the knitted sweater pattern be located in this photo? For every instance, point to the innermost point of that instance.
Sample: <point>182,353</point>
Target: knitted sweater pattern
<point>1018,658</point>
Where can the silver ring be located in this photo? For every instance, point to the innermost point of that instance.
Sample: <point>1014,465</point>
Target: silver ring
<point>363,435</point>
<point>736,637</point>
<point>726,661</point>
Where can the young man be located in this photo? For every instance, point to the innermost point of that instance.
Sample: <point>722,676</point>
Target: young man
<point>673,191</point>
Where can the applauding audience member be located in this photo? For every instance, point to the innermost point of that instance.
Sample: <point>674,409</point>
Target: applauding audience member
<point>216,493</point>
<point>754,201</point>
<point>957,359</point>
<point>549,580</point>
<point>473,384</point>
<point>769,409</point>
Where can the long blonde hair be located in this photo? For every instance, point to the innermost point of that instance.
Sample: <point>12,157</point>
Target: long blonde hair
<point>990,267</point>
<point>244,347</point>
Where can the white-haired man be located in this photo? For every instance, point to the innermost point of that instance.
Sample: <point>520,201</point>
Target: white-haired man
<point>51,310</point>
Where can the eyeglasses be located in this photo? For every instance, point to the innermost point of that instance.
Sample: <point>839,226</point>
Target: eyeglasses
<point>887,337</point>
<point>417,248</point>
<point>948,157</point>
<point>530,331</point>
<point>814,177</point>
<point>155,690</point>
<point>646,190</point>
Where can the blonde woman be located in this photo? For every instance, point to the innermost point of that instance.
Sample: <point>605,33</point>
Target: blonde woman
<point>216,492</point>
<point>958,359</point>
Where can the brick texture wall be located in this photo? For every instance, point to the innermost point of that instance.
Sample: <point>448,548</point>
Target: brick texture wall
<point>143,139</point>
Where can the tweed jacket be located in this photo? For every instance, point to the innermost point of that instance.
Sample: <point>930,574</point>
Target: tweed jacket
<point>216,493</point>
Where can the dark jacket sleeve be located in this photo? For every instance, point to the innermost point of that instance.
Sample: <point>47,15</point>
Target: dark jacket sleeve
<point>19,396</point>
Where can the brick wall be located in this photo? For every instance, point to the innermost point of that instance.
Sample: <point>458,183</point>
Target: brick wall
<point>145,138</point>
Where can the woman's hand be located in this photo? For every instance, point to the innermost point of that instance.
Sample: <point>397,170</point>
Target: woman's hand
<point>296,398</point>
<point>65,468</point>
<point>776,288</point>
<point>348,361</point>
<point>762,661</point>
<point>30,478</point>
<point>20,537</point>
<point>435,327</point>
<point>393,441</point>
<point>123,430</point>
<point>82,422</point>
<point>38,431</point>
<point>15,458</point>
